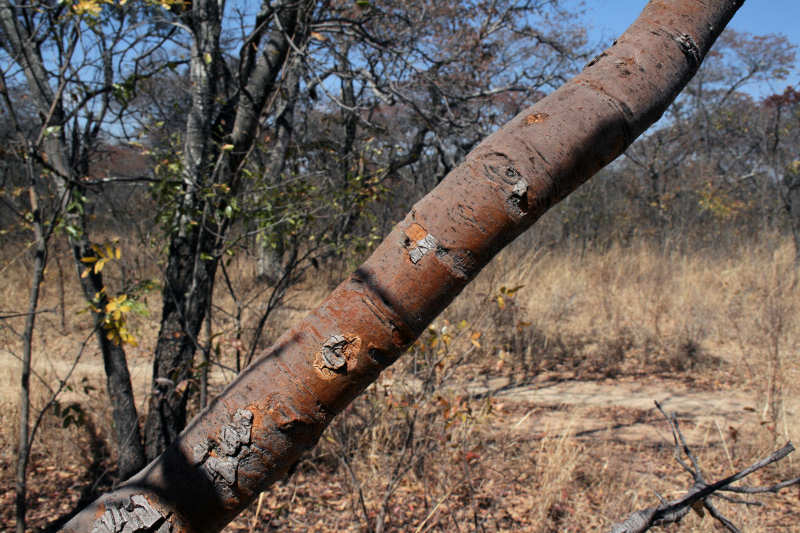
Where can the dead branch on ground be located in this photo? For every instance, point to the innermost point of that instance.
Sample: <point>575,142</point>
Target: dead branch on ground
<point>700,494</point>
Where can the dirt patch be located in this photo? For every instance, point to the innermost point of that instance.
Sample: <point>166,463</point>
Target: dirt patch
<point>624,409</point>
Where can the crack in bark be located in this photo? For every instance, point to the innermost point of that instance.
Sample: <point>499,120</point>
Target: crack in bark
<point>466,214</point>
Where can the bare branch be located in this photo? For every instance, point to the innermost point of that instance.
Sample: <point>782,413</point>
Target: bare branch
<point>700,493</point>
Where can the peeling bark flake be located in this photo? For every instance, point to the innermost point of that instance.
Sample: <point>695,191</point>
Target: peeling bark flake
<point>518,200</point>
<point>690,49</point>
<point>596,58</point>
<point>236,434</point>
<point>200,451</point>
<point>332,353</point>
<point>222,467</point>
<point>536,118</point>
<point>419,242</point>
<point>429,243</point>
<point>220,459</point>
<point>520,188</point>
<point>137,516</point>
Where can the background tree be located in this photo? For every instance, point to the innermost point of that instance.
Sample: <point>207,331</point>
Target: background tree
<point>77,64</point>
<point>781,155</point>
<point>709,162</point>
<point>34,217</point>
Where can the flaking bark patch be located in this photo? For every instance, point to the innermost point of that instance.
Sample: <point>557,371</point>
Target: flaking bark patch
<point>536,118</point>
<point>220,457</point>
<point>419,242</point>
<point>690,49</point>
<point>334,354</point>
<point>517,202</point>
<point>137,516</point>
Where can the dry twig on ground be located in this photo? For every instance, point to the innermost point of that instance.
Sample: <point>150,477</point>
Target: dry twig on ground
<point>699,496</point>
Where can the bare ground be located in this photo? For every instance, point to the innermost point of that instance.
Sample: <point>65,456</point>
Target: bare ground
<point>587,401</point>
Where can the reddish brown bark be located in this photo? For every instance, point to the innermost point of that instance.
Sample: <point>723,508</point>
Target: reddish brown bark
<point>279,406</point>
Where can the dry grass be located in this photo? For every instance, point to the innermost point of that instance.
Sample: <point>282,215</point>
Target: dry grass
<point>418,452</point>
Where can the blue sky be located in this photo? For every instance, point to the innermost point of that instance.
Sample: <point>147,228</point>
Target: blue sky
<point>609,18</point>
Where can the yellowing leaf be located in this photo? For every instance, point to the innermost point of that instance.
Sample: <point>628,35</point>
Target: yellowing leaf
<point>87,7</point>
<point>474,339</point>
<point>98,266</point>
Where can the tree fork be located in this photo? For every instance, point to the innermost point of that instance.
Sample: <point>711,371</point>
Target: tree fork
<point>278,407</point>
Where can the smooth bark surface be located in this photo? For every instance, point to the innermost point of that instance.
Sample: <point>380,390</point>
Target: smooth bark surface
<point>279,406</point>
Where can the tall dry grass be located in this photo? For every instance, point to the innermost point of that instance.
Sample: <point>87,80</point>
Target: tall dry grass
<point>640,308</point>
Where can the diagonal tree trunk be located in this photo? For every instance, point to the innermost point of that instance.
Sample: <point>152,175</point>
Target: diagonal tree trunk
<point>279,406</point>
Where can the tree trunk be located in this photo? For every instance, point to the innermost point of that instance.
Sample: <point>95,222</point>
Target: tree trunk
<point>188,285</point>
<point>118,379</point>
<point>279,406</point>
<point>24,439</point>
<point>271,250</point>
<point>193,252</point>
<point>191,264</point>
